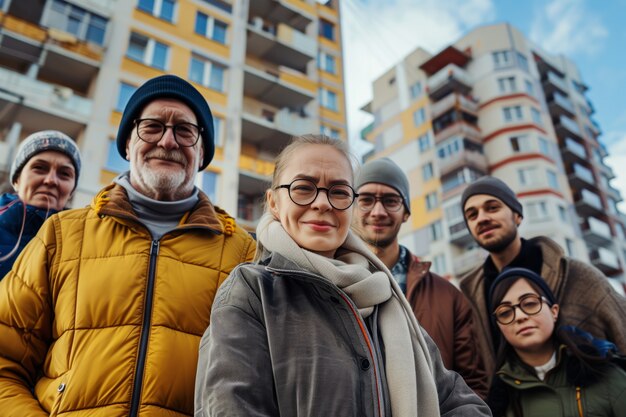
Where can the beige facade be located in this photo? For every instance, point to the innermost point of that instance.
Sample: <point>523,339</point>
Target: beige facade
<point>269,69</point>
<point>494,103</point>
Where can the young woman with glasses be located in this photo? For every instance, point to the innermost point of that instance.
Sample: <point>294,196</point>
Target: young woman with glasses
<point>318,326</point>
<point>544,370</point>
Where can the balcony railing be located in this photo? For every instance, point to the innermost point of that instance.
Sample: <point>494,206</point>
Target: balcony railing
<point>569,125</point>
<point>462,129</point>
<point>552,79</point>
<point>449,78</point>
<point>459,234</point>
<point>46,97</point>
<point>604,259</point>
<point>560,101</point>
<point>461,159</point>
<point>468,260</point>
<point>576,148</point>
<point>584,173</point>
<point>452,101</point>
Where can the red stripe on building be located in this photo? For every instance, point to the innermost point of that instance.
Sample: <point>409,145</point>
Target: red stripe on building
<point>508,97</point>
<point>518,158</point>
<point>512,129</point>
<point>540,192</point>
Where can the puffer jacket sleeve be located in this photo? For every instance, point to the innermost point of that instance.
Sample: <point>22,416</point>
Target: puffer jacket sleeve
<point>455,397</point>
<point>234,375</point>
<point>25,325</point>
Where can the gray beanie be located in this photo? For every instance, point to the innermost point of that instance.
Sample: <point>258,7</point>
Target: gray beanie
<point>45,140</point>
<point>385,171</point>
<point>494,187</point>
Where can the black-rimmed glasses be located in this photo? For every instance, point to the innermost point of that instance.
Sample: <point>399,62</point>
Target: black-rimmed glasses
<point>390,202</point>
<point>530,305</point>
<point>152,131</point>
<point>304,192</point>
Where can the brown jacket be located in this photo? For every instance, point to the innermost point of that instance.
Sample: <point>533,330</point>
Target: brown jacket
<point>585,297</point>
<point>445,314</point>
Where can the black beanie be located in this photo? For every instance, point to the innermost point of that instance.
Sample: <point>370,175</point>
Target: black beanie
<point>514,273</point>
<point>385,171</point>
<point>494,187</point>
<point>168,86</point>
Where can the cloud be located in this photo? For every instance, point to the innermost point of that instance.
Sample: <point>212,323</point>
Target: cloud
<point>568,27</point>
<point>378,33</point>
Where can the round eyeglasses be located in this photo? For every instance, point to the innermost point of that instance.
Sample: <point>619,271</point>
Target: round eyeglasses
<point>530,305</point>
<point>153,130</point>
<point>304,192</point>
<point>391,202</point>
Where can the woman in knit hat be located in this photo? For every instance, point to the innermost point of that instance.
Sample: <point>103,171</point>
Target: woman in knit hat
<point>544,370</point>
<point>44,175</point>
<point>318,326</point>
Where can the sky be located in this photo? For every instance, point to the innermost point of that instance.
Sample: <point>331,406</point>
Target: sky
<point>592,33</point>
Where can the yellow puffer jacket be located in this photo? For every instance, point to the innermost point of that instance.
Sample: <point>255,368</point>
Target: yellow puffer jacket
<point>96,319</point>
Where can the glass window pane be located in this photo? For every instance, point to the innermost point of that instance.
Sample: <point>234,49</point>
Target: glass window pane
<point>201,22</point>
<point>96,29</point>
<point>209,182</point>
<point>160,56</point>
<point>126,90</point>
<point>136,47</point>
<point>196,71</point>
<point>217,78</point>
<point>167,10</point>
<point>146,5</point>
<point>219,31</point>
<point>217,129</point>
<point>114,161</point>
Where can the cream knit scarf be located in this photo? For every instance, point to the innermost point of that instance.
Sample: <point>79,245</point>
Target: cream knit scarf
<point>366,280</point>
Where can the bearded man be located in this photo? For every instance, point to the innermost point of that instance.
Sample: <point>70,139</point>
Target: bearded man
<point>103,311</point>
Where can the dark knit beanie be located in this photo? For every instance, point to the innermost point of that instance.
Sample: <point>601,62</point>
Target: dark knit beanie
<point>385,171</point>
<point>45,140</point>
<point>494,187</point>
<point>168,86</point>
<point>515,273</point>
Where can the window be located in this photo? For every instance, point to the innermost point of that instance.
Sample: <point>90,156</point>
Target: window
<point>424,142</point>
<point>163,9</point>
<point>211,28</point>
<point>206,72</point>
<point>544,147</point>
<point>552,179</point>
<point>114,161</point>
<point>512,113</point>
<point>222,5</point>
<point>501,59</point>
<point>507,84</point>
<point>326,62</point>
<point>449,147</point>
<point>209,184</point>
<point>427,171</point>
<point>126,90</point>
<point>439,264</point>
<point>431,201</point>
<point>415,90</point>
<point>571,248</point>
<point>330,132</point>
<point>530,88</point>
<point>563,214</point>
<point>419,116</point>
<point>537,210</point>
<point>327,29</point>
<point>536,116</point>
<point>218,131</point>
<point>147,51</point>
<point>522,61</point>
<point>528,176</point>
<point>436,231</point>
<point>329,99</point>
<point>79,22</point>
<point>520,143</point>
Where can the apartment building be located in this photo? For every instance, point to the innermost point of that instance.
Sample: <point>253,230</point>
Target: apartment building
<point>494,103</point>
<point>269,69</point>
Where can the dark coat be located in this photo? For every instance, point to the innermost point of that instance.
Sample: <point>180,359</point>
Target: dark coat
<point>445,314</point>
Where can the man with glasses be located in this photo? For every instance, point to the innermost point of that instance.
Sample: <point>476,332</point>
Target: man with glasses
<point>493,215</point>
<point>382,207</point>
<point>104,311</point>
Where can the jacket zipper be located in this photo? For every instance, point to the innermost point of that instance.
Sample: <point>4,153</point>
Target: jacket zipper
<point>145,332</point>
<point>579,402</point>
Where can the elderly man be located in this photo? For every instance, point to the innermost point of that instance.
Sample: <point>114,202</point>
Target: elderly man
<point>492,215</point>
<point>104,310</point>
<point>443,311</point>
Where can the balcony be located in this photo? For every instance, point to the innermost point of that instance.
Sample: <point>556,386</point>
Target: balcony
<point>453,101</point>
<point>281,44</point>
<point>581,176</point>
<point>606,170</point>
<point>561,106</point>
<point>597,232</point>
<point>43,106</point>
<point>589,203</point>
<point>614,193</point>
<point>459,128</point>
<point>553,83</point>
<point>459,235</point>
<point>605,260</point>
<point>474,160</point>
<point>450,78</point>
<point>270,130</point>
<point>573,151</point>
<point>567,127</point>
<point>469,260</point>
<point>276,87</point>
<point>595,128</point>
<point>284,11</point>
